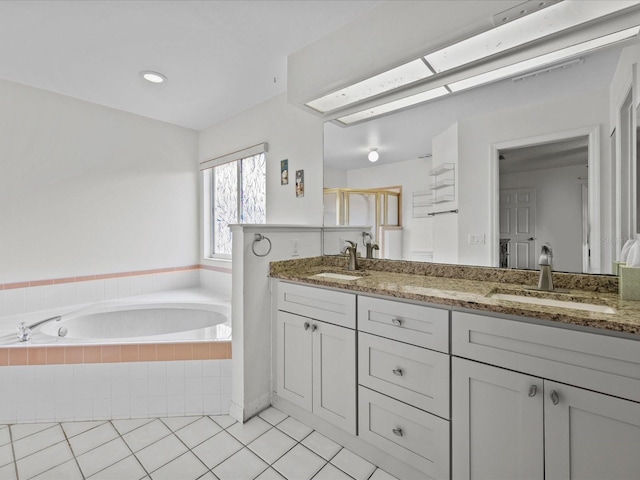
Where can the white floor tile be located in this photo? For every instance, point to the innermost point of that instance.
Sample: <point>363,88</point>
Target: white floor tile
<point>245,464</point>
<point>103,456</point>
<point>294,428</point>
<point>329,472</point>
<point>176,423</point>
<point>225,421</point>
<point>208,476</point>
<point>4,436</point>
<point>146,435</point>
<point>300,463</point>
<point>381,475</point>
<point>199,431</point>
<point>249,431</point>
<point>38,441</point>
<point>68,470</point>
<point>272,445</point>
<point>318,443</point>
<point>354,465</point>
<point>160,453</point>
<point>273,415</point>
<point>93,438</point>
<point>270,474</point>
<point>217,449</point>
<point>6,454</point>
<point>185,466</point>
<point>8,472</point>
<point>127,469</point>
<point>44,460</point>
<point>76,428</point>
<point>22,430</point>
<point>126,426</point>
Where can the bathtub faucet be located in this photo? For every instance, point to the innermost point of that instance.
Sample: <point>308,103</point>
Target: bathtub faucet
<point>24,330</point>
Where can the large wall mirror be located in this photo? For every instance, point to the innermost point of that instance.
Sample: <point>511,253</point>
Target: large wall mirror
<point>489,175</point>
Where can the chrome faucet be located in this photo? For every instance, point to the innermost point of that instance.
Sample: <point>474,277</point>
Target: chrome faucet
<point>370,248</point>
<point>351,249</point>
<point>545,262</point>
<point>24,330</point>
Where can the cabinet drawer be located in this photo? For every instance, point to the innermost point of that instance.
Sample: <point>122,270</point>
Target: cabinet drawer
<point>329,306</point>
<point>415,324</point>
<point>593,361</point>
<point>411,435</point>
<point>411,374</point>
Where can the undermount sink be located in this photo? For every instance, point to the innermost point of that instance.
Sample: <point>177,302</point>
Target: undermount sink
<point>337,276</point>
<point>550,302</point>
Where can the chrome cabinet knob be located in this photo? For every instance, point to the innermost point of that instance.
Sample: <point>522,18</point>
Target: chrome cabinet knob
<point>398,432</point>
<point>397,322</point>
<point>306,326</point>
<point>555,398</point>
<point>533,389</point>
<point>314,327</point>
<point>398,372</point>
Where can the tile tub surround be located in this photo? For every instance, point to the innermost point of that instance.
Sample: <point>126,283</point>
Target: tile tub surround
<point>470,287</point>
<point>104,391</point>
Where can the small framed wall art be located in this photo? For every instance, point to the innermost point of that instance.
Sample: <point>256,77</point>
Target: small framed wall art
<point>284,172</point>
<point>299,183</point>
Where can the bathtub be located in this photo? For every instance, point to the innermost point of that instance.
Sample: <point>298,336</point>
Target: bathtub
<point>136,323</point>
<point>164,354</point>
<point>181,316</point>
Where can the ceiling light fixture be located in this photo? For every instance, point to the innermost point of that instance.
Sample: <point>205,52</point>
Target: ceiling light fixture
<point>526,25</point>
<point>153,77</point>
<point>544,60</point>
<point>384,82</point>
<point>373,155</point>
<point>394,105</point>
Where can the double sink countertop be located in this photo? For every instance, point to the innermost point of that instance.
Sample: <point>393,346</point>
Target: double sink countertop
<point>478,288</point>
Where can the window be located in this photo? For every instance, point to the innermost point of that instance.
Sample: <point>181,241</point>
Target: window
<point>238,195</point>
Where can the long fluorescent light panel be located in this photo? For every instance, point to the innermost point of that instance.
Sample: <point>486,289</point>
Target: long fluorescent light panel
<point>384,82</point>
<point>542,60</point>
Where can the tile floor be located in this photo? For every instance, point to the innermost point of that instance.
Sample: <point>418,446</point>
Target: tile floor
<point>269,446</point>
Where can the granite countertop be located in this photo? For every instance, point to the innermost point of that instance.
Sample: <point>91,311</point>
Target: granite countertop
<point>473,287</point>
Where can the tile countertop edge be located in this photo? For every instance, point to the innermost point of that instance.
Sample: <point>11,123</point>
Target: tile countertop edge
<point>415,281</point>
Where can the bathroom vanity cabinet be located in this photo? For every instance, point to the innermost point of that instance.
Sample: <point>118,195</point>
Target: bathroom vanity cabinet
<point>427,391</point>
<point>544,403</point>
<point>316,352</point>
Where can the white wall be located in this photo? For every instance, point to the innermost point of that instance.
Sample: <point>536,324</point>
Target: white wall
<point>478,134</point>
<point>417,233</point>
<point>291,134</point>
<point>558,210</point>
<point>251,309</point>
<point>86,189</point>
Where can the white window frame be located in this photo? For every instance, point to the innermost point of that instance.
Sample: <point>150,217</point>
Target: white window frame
<point>208,195</point>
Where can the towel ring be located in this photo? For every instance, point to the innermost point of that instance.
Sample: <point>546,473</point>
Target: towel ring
<point>258,237</point>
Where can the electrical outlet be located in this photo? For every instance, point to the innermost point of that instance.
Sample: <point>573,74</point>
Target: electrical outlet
<point>295,248</point>
<point>476,239</point>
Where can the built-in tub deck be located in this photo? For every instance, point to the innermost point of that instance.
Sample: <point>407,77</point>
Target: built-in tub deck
<point>196,325</point>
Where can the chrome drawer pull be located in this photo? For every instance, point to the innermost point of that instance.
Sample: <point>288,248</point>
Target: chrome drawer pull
<point>398,372</point>
<point>533,389</point>
<point>555,398</point>
<point>398,432</point>
<point>397,322</point>
<point>306,326</point>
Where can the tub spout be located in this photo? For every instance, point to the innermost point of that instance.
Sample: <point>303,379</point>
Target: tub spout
<point>24,330</point>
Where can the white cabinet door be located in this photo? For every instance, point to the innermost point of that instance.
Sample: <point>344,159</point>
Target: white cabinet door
<point>590,435</point>
<point>294,354</point>
<point>497,423</point>
<point>334,375</point>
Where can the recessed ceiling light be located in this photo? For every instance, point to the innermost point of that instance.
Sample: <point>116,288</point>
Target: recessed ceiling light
<point>153,77</point>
